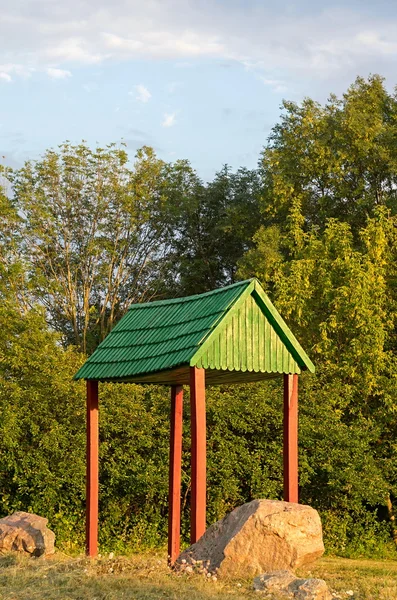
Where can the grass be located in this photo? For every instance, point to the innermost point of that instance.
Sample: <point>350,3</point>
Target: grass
<point>146,577</point>
<point>143,577</point>
<point>368,579</point>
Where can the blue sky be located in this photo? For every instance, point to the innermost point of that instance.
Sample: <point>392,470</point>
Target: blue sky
<point>200,80</point>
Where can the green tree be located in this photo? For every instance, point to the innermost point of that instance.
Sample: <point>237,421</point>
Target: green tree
<point>211,225</point>
<point>41,421</point>
<point>333,161</point>
<point>92,235</point>
<point>13,280</point>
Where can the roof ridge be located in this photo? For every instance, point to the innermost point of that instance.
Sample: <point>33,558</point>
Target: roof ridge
<point>182,299</point>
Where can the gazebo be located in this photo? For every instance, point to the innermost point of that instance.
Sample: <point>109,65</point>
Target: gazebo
<point>230,335</point>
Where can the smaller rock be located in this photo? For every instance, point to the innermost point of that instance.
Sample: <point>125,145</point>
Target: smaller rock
<point>273,582</point>
<point>27,533</point>
<point>309,589</point>
<point>284,584</point>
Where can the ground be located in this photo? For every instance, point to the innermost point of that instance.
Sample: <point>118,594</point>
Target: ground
<point>146,577</point>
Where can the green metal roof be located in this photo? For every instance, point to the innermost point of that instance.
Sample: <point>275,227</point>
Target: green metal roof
<point>235,333</point>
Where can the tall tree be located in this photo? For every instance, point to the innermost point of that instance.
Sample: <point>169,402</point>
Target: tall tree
<point>336,160</point>
<point>13,279</point>
<point>92,233</point>
<point>212,226</point>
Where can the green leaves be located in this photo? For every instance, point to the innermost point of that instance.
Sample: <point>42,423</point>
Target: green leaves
<point>91,231</point>
<point>211,226</point>
<point>332,161</point>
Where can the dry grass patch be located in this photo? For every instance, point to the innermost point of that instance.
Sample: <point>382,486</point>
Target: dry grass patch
<point>147,577</point>
<point>367,579</point>
<point>143,577</point>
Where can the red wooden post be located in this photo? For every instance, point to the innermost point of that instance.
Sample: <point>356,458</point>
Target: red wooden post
<point>198,465</point>
<point>92,480</point>
<point>175,468</point>
<point>290,449</point>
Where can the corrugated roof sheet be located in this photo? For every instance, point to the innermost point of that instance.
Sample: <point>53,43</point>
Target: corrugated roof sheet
<point>159,335</point>
<point>164,335</point>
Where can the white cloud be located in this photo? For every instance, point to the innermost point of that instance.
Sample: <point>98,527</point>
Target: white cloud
<point>375,43</point>
<point>70,49</point>
<point>160,44</point>
<point>276,84</point>
<point>169,120</point>
<point>116,43</point>
<point>10,69</point>
<point>141,93</point>
<point>58,73</point>
<point>279,41</point>
<point>5,77</point>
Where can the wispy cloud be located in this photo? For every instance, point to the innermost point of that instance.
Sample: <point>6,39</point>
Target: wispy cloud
<point>10,70</point>
<point>169,120</point>
<point>277,85</point>
<point>160,41</point>
<point>141,93</point>
<point>316,41</point>
<point>58,73</point>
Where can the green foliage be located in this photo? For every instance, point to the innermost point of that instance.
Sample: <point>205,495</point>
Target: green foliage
<point>211,226</point>
<point>41,420</point>
<point>333,161</point>
<point>354,534</point>
<point>91,235</point>
<point>96,234</point>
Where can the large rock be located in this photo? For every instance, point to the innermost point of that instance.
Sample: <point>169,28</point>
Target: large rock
<point>284,584</point>
<point>260,536</point>
<point>27,533</point>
